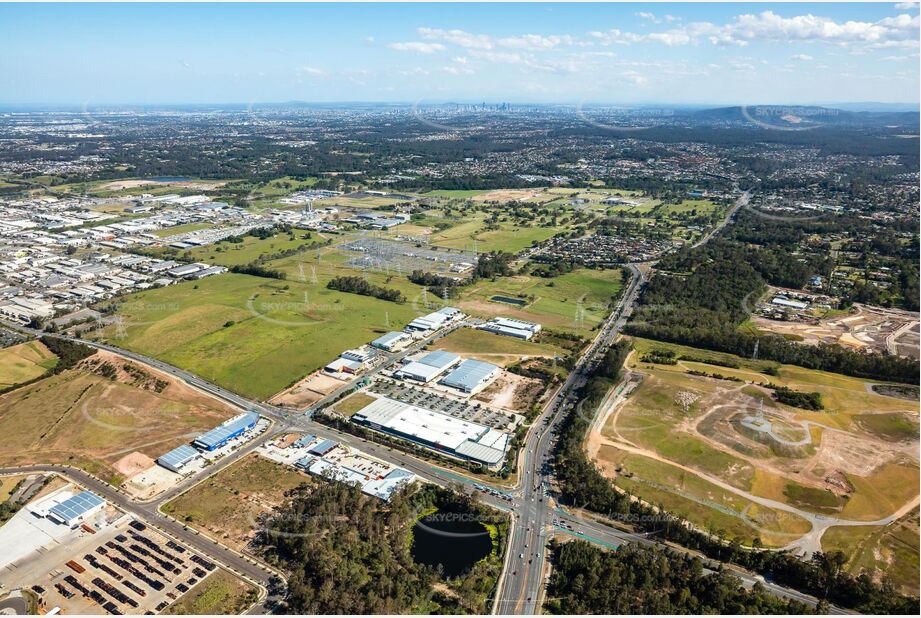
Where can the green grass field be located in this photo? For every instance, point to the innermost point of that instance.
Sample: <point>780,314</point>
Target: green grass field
<point>353,403</point>
<point>492,348</point>
<point>23,362</point>
<point>456,193</point>
<point>234,254</point>
<point>555,302</point>
<point>253,335</point>
<point>702,503</point>
<point>882,551</point>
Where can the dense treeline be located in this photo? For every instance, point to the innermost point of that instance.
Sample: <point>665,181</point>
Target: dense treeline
<point>797,399</point>
<point>258,271</point>
<point>638,580</point>
<point>710,291</point>
<point>438,284</point>
<point>494,264</point>
<point>69,353</point>
<point>583,485</point>
<point>357,285</point>
<point>349,553</point>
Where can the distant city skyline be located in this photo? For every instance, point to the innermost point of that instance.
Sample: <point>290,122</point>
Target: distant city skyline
<point>638,53</point>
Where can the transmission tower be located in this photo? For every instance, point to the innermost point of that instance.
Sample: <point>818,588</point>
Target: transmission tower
<point>120,332</point>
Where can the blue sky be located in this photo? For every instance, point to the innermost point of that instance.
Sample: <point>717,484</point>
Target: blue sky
<point>567,53</point>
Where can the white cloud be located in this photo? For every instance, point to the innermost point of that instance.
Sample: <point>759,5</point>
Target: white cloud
<point>457,37</point>
<point>648,17</point>
<point>906,6</point>
<point>534,41</point>
<point>801,57</point>
<point>309,71</point>
<point>418,46</point>
<point>768,26</point>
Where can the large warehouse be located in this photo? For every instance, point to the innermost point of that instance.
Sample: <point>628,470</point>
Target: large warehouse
<point>178,458</point>
<point>428,367</point>
<point>455,436</point>
<point>512,328</point>
<point>227,431</point>
<point>470,376</point>
<point>434,321</point>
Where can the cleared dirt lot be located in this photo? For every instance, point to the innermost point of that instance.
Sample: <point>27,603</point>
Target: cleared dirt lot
<point>865,328</point>
<point>308,391</point>
<point>105,409</point>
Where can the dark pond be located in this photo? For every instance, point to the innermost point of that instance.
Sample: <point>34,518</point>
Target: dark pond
<point>510,301</point>
<point>451,541</point>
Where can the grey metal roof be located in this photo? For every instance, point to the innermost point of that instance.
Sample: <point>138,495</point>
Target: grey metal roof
<point>473,450</point>
<point>468,374</point>
<point>388,338</point>
<point>439,358</point>
<point>76,505</point>
<point>179,456</point>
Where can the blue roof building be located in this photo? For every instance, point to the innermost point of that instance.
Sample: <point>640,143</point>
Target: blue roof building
<point>224,433</point>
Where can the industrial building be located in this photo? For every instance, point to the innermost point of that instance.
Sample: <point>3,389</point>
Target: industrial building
<point>227,431</point>
<point>178,458</point>
<point>428,367</point>
<point>512,328</point>
<point>391,341</point>
<point>450,435</point>
<point>471,375</point>
<point>75,509</point>
<point>434,321</point>
<point>783,301</point>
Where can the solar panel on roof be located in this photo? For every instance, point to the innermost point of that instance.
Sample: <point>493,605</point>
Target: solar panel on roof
<point>76,505</point>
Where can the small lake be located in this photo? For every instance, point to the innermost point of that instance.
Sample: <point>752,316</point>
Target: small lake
<point>169,179</point>
<point>450,540</point>
<point>510,301</point>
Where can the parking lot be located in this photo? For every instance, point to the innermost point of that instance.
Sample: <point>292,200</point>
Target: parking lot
<point>132,569</point>
<point>430,400</point>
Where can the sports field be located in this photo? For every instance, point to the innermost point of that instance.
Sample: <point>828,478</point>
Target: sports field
<point>252,335</point>
<point>81,418</point>
<point>23,362</point>
<point>228,505</point>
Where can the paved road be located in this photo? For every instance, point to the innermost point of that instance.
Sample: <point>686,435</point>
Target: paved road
<point>522,584</point>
